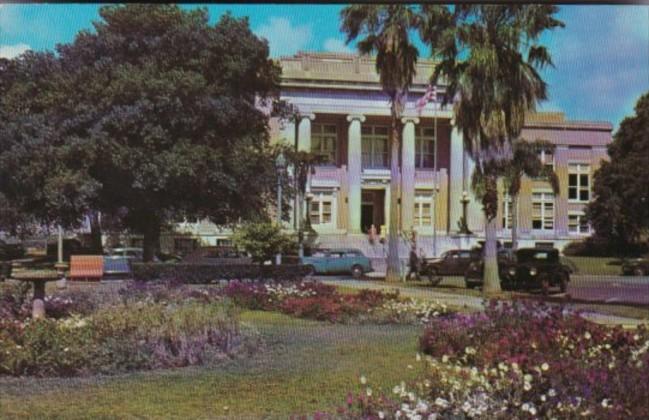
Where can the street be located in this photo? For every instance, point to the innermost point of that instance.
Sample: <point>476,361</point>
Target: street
<point>602,289</point>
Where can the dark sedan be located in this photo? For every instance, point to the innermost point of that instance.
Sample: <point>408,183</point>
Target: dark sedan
<point>636,267</point>
<point>530,268</point>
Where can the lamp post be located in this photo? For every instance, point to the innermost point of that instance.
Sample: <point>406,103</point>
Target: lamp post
<point>435,192</point>
<point>280,164</point>
<point>465,224</point>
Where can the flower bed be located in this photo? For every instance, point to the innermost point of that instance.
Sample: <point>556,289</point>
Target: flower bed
<point>155,326</point>
<point>519,360</point>
<point>322,302</point>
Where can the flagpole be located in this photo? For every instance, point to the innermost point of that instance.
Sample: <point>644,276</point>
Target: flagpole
<point>435,170</point>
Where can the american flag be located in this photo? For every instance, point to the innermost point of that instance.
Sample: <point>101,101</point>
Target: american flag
<point>429,96</point>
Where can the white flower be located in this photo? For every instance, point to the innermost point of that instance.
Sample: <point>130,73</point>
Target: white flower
<point>533,411</point>
<point>441,402</point>
<point>381,414</point>
<point>605,403</point>
<point>527,386</point>
<point>552,392</point>
<point>527,377</point>
<point>587,336</point>
<point>418,357</point>
<point>444,359</point>
<point>545,366</point>
<point>66,349</point>
<point>369,392</point>
<point>411,396</point>
<point>363,380</point>
<point>525,407</point>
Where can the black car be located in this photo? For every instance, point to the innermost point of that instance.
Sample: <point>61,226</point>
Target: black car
<point>454,263</point>
<point>10,251</point>
<point>529,269</point>
<point>636,267</point>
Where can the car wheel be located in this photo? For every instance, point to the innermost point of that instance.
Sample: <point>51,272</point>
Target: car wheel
<point>357,271</point>
<point>638,272</point>
<point>310,270</point>
<point>563,282</point>
<point>433,277</point>
<point>545,286</point>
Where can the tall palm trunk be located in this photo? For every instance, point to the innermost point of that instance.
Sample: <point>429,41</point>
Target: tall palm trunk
<point>393,272</point>
<point>514,216</point>
<point>491,279</point>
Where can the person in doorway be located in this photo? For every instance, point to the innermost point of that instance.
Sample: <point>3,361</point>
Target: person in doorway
<point>414,264</point>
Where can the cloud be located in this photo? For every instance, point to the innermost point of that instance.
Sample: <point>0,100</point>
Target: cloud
<point>13,51</point>
<point>337,45</point>
<point>284,38</point>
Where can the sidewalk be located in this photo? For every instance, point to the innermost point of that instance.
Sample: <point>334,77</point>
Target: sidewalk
<point>471,302</point>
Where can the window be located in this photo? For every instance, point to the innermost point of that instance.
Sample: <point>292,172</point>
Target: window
<point>224,242</point>
<point>321,211</point>
<point>578,182</point>
<point>323,142</point>
<point>547,157</point>
<point>424,147</point>
<point>184,245</point>
<point>507,212</point>
<point>374,144</point>
<point>542,211</point>
<point>423,211</point>
<point>577,223</point>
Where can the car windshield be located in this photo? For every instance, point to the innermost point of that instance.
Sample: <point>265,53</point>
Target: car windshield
<point>527,255</point>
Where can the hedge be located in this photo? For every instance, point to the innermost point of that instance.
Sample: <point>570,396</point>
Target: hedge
<point>206,273</point>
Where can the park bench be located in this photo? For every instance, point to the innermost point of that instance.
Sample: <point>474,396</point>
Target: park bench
<point>86,267</point>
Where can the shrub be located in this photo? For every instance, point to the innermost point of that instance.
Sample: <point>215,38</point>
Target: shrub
<point>205,273</point>
<point>595,246</point>
<point>143,335</point>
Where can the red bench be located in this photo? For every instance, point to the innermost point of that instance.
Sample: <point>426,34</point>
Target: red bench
<point>86,267</point>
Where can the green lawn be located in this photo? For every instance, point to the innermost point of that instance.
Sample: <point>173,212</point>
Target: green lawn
<point>306,366</point>
<point>595,265</point>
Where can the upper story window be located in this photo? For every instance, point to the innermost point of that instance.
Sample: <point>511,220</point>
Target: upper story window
<point>374,143</point>
<point>579,182</point>
<point>542,210</point>
<point>425,147</point>
<point>323,142</point>
<point>547,157</point>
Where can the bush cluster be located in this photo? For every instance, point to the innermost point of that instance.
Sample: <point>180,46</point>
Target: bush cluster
<point>595,246</point>
<point>519,360</point>
<point>206,273</point>
<point>312,300</point>
<point>154,326</point>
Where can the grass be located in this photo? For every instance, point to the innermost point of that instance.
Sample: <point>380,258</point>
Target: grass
<point>596,266</point>
<point>307,366</point>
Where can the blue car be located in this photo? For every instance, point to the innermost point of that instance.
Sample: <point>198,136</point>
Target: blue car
<point>338,261</point>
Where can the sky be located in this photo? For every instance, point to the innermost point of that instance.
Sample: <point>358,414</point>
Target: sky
<point>601,57</point>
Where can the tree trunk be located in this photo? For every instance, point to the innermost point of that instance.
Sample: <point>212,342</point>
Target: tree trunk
<point>393,272</point>
<point>514,215</point>
<point>96,233</point>
<point>151,239</point>
<point>491,279</point>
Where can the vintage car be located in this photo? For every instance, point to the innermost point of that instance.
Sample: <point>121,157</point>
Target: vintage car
<point>454,263</point>
<point>337,261</point>
<point>216,255</point>
<point>636,266</point>
<point>530,268</point>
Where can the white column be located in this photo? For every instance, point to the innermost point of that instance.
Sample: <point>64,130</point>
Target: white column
<point>304,132</point>
<point>408,172</point>
<point>455,179</point>
<point>474,214</point>
<point>354,160</point>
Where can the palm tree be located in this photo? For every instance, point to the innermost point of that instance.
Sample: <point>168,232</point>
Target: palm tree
<point>386,32</point>
<point>489,57</point>
<point>526,162</point>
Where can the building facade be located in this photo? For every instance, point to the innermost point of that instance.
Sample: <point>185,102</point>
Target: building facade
<point>344,118</point>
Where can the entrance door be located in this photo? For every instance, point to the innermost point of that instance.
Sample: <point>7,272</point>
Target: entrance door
<point>367,216</point>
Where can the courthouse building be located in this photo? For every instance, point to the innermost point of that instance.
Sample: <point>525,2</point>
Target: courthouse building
<point>345,118</point>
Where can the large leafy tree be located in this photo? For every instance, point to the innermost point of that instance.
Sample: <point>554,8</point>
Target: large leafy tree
<point>489,57</point>
<point>385,30</point>
<point>526,163</point>
<point>620,209</point>
<point>152,117</point>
